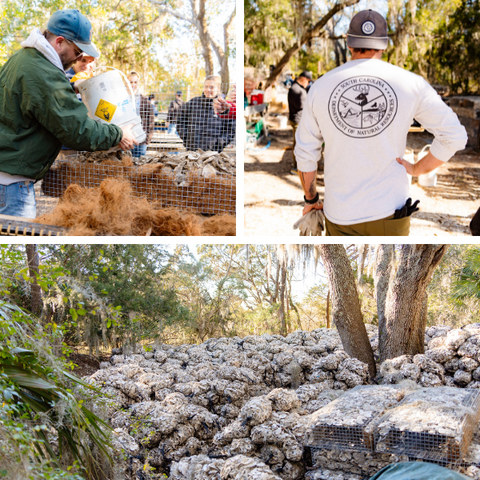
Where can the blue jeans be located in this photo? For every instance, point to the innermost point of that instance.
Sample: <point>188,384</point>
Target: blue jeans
<point>18,200</point>
<point>139,150</point>
<point>172,128</point>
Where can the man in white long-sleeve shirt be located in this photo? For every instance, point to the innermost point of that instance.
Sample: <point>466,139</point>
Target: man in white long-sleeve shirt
<point>363,111</point>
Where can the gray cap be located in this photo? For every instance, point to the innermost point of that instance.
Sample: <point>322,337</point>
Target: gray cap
<point>368,29</point>
<point>306,75</point>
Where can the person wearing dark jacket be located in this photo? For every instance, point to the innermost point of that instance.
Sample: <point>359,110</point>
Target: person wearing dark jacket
<point>297,96</point>
<point>39,111</point>
<point>173,110</point>
<point>199,126</point>
<point>146,111</point>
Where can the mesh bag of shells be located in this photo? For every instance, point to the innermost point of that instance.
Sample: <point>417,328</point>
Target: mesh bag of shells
<point>434,424</point>
<point>342,423</point>
<point>198,182</point>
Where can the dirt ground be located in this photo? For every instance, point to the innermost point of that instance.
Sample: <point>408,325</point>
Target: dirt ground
<point>86,364</point>
<point>274,197</point>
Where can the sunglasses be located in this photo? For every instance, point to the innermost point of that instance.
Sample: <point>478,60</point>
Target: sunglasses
<point>78,52</point>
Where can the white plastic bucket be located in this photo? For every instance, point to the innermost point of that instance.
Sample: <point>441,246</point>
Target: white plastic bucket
<point>427,179</point>
<point>282,121</point>
<point>409,157</point>
<point>108,101</point>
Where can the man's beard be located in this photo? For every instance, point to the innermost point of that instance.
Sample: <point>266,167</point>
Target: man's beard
<point>64,58</point>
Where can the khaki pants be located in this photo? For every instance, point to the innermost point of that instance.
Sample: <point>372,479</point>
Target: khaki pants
<point>294,126</point>
<point>383,227</point>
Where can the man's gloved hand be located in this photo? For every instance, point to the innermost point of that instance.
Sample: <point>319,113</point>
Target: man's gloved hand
<point>407,209</point>
<point>311,224</point>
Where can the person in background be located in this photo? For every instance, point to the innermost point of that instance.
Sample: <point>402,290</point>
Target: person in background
<point>147,113</point>
<point>151,99</point>
<point>198,124</point>
<point>173,109</point>
<point>297,96</point>
<point>84,64</point>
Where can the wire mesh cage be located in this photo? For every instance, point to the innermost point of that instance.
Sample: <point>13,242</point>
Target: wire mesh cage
<point>187,118</point>
<point>158,182</point>
<point>187,162</point>
<point>342,423</point>
<point>434,424</point>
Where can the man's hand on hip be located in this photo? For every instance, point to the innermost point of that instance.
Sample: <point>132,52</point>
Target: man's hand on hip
<point>425,165</point>
<point>128,140</point>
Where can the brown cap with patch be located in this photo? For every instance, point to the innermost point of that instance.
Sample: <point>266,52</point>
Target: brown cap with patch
<point>368,29</point>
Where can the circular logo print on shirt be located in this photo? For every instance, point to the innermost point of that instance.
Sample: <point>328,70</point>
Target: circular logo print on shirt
<point>363,106</point>
<point>368,27</point>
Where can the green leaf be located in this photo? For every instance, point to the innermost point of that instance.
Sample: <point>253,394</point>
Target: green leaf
<point>81,311</point>
<point>109,323</point>
<point>74,314</point>
<point>25,378</point>
<point>22,351</point>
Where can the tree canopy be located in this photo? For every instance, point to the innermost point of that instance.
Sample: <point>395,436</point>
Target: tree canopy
<point>130,35</point>
<point>434,38</point>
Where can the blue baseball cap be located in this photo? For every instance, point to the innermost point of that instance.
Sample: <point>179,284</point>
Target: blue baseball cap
<point>73,26</point>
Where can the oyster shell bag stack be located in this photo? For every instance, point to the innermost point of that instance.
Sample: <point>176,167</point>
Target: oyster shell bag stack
<point>108,101</point>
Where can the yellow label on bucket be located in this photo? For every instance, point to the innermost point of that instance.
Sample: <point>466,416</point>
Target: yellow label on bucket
<point>105,110</point>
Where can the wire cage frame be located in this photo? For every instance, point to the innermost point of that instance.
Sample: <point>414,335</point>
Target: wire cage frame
<point>192,127</point>
<point>185,118</point>
<point>190,192</point>
<point>444,446</point>
<point>347,431</point>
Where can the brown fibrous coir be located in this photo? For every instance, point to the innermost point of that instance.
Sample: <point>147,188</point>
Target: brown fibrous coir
<point>113,209</point>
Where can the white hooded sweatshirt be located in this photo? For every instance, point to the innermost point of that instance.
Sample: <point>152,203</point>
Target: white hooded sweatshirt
<point>39,42</point>
<point>363,111</point>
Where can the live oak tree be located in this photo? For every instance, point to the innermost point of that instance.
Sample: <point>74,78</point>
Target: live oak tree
<point>197,16</point>
<point>346,311</point>
<point>306,37</point>
<point>400,288</point>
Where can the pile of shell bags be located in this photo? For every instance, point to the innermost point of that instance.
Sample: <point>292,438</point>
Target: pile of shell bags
<point>452,358</point>
<point>226,397</point>
<point>194,409</point>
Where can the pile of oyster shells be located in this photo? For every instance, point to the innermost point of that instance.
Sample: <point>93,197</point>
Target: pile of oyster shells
<point>208,163</point>
<point>234,405</point>
<point>452,358</point>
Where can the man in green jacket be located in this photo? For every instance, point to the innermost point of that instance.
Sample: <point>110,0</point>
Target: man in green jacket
<point>39,111</point>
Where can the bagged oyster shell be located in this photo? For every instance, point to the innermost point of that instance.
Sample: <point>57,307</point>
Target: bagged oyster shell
<point>430,423</point>
<point>344,422</point>
<point>241,467</point>
<point>283,399</point>
<point>255,411</point>
<point>199,467</point>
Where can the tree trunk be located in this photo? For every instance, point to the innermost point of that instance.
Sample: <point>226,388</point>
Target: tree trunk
<point>283,278</point>
<point>306,37</point>
<point>35,290</point>
<point>328,309</point>
<point>381,277</point>
<point>405,310</point>
<point>201,23</point>
<point>224,53</point>
<point>347,315</point>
